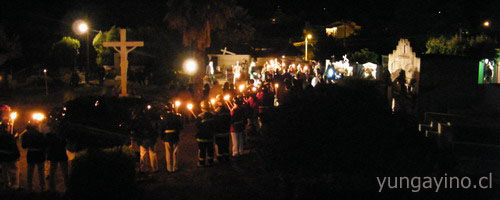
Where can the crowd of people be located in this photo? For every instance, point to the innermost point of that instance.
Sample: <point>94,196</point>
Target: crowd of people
<point>226,116</point>
<point>41,145</point>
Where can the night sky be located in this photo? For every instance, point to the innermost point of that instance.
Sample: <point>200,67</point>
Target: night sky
<point>41,23</point>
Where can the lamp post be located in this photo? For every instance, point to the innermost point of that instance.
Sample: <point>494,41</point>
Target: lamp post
<point>84,28</point>
<point>46,86</point>
<point>308,37</point>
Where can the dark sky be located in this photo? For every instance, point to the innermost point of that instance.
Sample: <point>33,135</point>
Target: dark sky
<point>41,23</point>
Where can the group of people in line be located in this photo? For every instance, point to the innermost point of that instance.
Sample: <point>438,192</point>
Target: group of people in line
<point>222,124</point>
<point>43,148</point>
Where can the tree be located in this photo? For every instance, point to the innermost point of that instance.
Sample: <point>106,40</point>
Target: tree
<point>364,56</point>
<point>197,19</point>
<point>475,46</point>
<point>239,30</point>
<point>65,52</point>
<point>105,54</point>
<point>10,48</point>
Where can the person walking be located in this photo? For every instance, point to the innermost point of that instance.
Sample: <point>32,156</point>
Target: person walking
<point>171,129</point>
<point>205,135</point>
<point>9,155</point>
<point>34,141</point>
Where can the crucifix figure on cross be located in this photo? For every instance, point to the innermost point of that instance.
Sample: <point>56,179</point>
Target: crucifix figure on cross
<point>121,47</point>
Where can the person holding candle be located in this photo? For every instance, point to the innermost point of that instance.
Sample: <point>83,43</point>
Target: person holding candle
<point>171,128</point>
<point>222,130</point>
<point>9,155</point>
<point>205,135</point>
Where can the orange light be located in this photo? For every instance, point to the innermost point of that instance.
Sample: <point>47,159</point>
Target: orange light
<point>190,106</point>
<point>177,103</point>
<point>276,85</point>
<point>38,116</point>
<point>212,101</point>
<point>241,87</point>
<point>254,89</point>
<point>13,115</point>
<point>226,98</point>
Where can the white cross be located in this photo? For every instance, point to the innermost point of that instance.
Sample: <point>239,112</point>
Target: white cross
<point>122,45</point>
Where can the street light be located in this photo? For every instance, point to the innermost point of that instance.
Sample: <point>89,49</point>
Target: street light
<point>308,37</point>
<point>46,86</point>
<point>190,66</point>
<point>13,116</point>
<point>486,23</point>
<point>83,28</point>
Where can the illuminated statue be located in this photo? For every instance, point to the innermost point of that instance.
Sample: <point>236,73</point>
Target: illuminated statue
<point>236,71</point>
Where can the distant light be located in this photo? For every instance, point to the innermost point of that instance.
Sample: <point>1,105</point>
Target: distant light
<point>190,66</point>
<point>83,27</point>
<point>241,87</point>
<point>439,12</point>
<point>212,101</point>
<point>177,103</point>
<point>276,85</point>
<point>38,116</point>
<point>149,107</point>
<point>44,70</point>
<point>283,56</point>
<point>330,73</point>
<point>254,89</point>
<point>96,103</point>
<point>226,98</point>
<point>13,115</point>
<point>309,36</point>
<point>190,106</point>
<point>486,23</point>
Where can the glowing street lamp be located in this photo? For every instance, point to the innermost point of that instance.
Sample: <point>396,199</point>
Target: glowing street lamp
<point>486,23</point>
<point>46,86</point>
<point>190,67</point>
<point>13,116</point>
<point>83,28</point>
<point>308,37</point>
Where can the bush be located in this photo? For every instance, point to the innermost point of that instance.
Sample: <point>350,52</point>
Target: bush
<point>103,174</point>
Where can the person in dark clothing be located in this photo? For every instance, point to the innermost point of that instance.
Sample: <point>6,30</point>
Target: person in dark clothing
<point>222,130</point>
<point>238,121</point>
<point>9,155</point>
<point>205,135</point>
<point>171,128</point>
<point>145,133</point>
<point>34,141</point>
<point>56,154</point>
